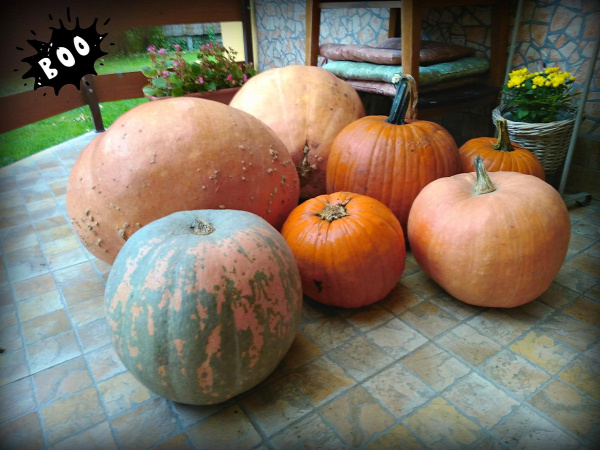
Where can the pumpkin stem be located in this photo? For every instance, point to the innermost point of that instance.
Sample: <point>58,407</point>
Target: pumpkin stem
<point>333,212</point>
<point>404,100</point>
<point>503,143</point>
<point>201,227</point>
<point>305,168</point>
<point>483,184</point>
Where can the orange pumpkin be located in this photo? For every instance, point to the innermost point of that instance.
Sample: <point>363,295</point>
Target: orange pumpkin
<point>500,154</point>
<point>494,240</point>
<point>307,107</point>
<point>389,158</point>
<point>349,248</point>
<point>177,154</point>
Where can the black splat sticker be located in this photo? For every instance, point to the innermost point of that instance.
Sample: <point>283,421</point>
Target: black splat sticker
<point>68,56</point>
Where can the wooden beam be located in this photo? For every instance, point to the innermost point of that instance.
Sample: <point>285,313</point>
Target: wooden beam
<point>313,22</point>
<point>411,37</point>
<point>499,42</point>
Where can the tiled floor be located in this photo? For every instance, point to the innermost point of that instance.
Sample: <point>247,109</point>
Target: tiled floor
<point>417,370</point>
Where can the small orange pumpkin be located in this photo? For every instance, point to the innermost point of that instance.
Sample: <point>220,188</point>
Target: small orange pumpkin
<point>349,248</point>
<point>389,158</point>
<point>500,154</point>
<point>494,240</point>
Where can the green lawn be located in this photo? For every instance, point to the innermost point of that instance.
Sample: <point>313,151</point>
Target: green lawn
<point>25,141</point>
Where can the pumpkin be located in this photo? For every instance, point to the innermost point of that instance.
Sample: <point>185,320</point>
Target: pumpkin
<point>174,155</point>
<point>494,240</point>
<point>306,106</point>
<point>500,154</point>
<point>203,305</point>
<point>389,158</point>
<point>349,248</point>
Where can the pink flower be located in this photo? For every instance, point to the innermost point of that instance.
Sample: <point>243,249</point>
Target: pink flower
<point>151,48</point>
<point>229,77</point>
<point>161,51</point>
<point>244,78</point>
<point>175,63</point>
<point>200,80</point>
<point>203,47</point>
<point>177,47</point>
<point>165,74</point>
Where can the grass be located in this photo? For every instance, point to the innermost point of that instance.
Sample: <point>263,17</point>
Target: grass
<point>25,141</point>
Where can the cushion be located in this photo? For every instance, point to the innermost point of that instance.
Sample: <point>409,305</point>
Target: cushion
<point>389,52</point>
<point>428,75</point>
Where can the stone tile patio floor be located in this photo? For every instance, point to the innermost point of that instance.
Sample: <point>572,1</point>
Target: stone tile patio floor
<point>417,370</point>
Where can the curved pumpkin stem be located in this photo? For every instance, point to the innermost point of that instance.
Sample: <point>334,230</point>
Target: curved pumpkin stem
<point>503,143</point>
<point>483,184</point>
<point>405,101</point>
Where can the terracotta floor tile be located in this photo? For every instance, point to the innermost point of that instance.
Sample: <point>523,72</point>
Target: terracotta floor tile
<point>93,335</point>
<point>515,373</point>
<point>64,259</point>
<point>399,390</point>
<point>455,307</point>
<point>39,305</point>
<point>499,325</point>
<point>370,317</point>
<point>575,279</point>
<point>30,269</point>
<point>396,338</point>
<point>34,286</point>
<point>593,352</point>
<point>63,379</point>
<point>23,256</point>
<point>525,428</point>
<point>13,366</point>
<point>584,374</point>
<point>531,313</point>
<point>104,362</point>
<point>577,334</point>
<point>441,425</point>
<point>557,296</point>
<point>545,351</point>
<point>275,405</point>
<point>429,319</point>
<point>586,263</point>
<point>10,338</point>
<point>53,351</point>
<point>23,237</point>
<point>58,187</point>
<point>586,228</point>
<point>75,273</point>
<point>47,326</point>
<point>79,292</point>
<point>397,437</point>
<point>330,332</point>
<point>468,343</point>
<point>567,406</point>
<point>87,311</point>
<point>50,222</point>
<point>24,432</point>
<point>321,380</point>
<point>60,245</point>
<point>192,414</point>
<point>98,437</point>
<point>17,398</point>
<point>122,392</point>
<point>436,366</point>
<point>473,394</point>
<point>361,358</point>
<point>8,315</point>
<point>311,432</point>
<point>400,299</point>
<point>357,417</point>
<point>586,310</point>
<point>421,284</point>
<point>302,351</point>
<point>72,414</point>
<point>6,297</point>
<point>227,429</point>
<point>146,425</point>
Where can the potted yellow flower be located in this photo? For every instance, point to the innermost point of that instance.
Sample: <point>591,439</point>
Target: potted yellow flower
<point>539,110</point>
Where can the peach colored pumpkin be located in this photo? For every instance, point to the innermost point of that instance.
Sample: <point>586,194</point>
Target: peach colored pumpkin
<point>307,107</point>
<point>174,155</point>
<point>494,240</point>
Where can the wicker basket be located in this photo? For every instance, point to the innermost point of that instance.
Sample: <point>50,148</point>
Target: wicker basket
<point>548,141</point>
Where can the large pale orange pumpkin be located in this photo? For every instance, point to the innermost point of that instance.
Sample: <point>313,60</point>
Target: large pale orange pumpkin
<point>306,106</point>
<point>500,154</point>
<point>391,159</point>
<point>174,155</point>
<point>496,240</point>
<point>203,305</point>
<point>349,248</point>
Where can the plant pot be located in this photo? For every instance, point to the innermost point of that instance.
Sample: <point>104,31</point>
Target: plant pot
<point>548,141</point>
<point>220,95</point>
